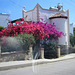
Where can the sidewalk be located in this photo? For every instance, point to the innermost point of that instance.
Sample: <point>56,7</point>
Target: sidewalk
<point>26,63</point>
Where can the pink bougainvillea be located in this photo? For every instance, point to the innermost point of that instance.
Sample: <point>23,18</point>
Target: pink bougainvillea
<point>39,30</point>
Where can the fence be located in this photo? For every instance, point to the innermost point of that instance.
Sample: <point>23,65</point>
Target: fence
<point>71,50</point>
<point>20,55</point>
<point>28,54</point>
<point>64,50</point>
<point>16,55</point>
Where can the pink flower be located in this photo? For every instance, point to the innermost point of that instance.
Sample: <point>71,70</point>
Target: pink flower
<point>40,30</point>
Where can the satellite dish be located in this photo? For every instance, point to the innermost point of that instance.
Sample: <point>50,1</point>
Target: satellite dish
<point>53,8</point>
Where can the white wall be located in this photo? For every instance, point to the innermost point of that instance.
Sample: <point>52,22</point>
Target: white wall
<point>4,18</point>
<point>45,14</point>
<point>31,15</point>
<point>62,26</point>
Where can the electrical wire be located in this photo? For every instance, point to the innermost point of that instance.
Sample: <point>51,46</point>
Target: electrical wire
<point>71,2</point>
<point>16,3</point>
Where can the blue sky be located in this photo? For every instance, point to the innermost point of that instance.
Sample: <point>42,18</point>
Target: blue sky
<point>14,7</point>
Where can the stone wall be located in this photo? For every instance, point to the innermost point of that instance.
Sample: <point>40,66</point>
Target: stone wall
<point>65,50</point>
<point>14,56</point>
<point>71,50</point>
<point>28,55</point>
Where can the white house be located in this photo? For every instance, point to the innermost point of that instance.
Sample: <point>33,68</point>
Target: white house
<point>4,18</point>
<point>51,15</point>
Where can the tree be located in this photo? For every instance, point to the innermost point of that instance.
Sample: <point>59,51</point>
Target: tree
<point>1,27</point>
<point>26,40</point>
<point>72,38</point>
<point>74,31</point>
<point>39,30</point>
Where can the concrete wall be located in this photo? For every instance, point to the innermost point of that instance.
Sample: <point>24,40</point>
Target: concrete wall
<point>4,18</point>
<point>63,50</point>
<point>12,56</point>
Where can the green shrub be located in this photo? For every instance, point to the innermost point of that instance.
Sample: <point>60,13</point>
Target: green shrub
<point>72,40</point>
<point>1,27</point>
<point>26,40</point>
<point>50,50</point>
<point>20,42</point>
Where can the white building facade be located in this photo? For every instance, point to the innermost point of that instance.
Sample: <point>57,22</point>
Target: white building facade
<point>4,18</point>
<point>48,15</point>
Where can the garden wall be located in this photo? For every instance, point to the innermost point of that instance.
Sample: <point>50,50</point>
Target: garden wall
<point>64,50</point>
<point>13,56</point>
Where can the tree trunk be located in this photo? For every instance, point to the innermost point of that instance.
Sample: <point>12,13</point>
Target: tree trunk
<point>36,50</point>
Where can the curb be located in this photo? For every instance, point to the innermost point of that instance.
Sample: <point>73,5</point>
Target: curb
<point>14,66</point>
<point>33,63</point>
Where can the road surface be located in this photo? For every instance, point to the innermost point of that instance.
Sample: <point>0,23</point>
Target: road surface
<point>66,67</point>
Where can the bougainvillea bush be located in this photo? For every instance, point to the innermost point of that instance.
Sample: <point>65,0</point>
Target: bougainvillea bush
<point>38,29</point>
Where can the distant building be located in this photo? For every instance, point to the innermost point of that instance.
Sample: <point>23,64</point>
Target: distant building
<point>71,28</point>
<point>51,15</point>
<point>4,18</point>
<point>20,19</point>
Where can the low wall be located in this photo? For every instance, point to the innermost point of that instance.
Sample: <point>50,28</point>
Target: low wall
<point>64,50</point>
<point>72,50</point>
<point>13,56</point>
<point>28,55</point>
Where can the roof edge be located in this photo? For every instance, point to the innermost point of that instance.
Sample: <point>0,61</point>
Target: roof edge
<point>4,14</point>
<point>46,9</point>
<point>58,17</point>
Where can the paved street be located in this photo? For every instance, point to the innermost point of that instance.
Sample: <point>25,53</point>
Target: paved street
<point>66,67</point>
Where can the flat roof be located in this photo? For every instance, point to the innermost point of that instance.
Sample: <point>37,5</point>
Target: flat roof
<point>4,14</point>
